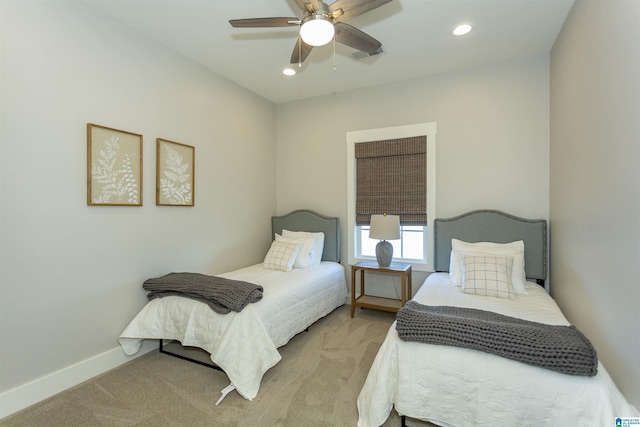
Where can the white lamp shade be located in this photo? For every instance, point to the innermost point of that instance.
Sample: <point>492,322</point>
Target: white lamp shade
<point>316,30</point>
<point>385,227</point>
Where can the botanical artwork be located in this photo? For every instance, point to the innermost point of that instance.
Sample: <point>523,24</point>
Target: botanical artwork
<point>114,167</point>
<point>174,173</point>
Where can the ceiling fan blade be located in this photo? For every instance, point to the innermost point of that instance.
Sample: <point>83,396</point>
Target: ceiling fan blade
<point>355,38</point>
<point>342,10</point>
<point>308,5</point>
<point>300,52</point>
<point>264,22</point>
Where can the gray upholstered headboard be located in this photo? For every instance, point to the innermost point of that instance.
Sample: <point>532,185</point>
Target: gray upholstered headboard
<point>494,226</point>
<point>306,220</point>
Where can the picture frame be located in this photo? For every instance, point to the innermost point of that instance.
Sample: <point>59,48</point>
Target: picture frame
<point>175,173</point>
<point>114,167</point>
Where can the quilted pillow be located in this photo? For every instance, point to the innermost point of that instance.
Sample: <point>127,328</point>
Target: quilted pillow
<point>305,256</point>
<point>513,249</point>
<point>487,276</point>
<point>281,256</point>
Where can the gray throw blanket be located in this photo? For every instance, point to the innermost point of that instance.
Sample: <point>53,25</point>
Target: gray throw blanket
<point>558,348</point>
<point>221,294</point>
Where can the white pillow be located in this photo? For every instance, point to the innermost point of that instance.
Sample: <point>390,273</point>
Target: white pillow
<point>281,256</point>
<point>487,275</point>
<point>514,249</point>
<point>318,247</point>
<point>305,256</point>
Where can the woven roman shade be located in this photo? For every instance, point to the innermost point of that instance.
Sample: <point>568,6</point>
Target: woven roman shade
<point>391,177</point>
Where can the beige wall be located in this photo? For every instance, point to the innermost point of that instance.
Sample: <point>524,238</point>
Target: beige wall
<point>595,181</point>
<point>71,274</point>
<point>492,143</point>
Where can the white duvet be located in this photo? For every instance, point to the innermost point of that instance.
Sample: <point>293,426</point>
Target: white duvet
<point>244,344</point>
<point>462,387</point>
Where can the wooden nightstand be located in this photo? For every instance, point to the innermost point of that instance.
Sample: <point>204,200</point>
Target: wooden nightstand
<point>380,303</point>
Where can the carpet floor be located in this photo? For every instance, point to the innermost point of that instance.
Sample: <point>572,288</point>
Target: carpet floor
<point>316,384</point>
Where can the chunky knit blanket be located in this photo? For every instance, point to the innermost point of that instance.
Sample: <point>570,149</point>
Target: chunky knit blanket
<point>221,294</point>
<point>558,348</point>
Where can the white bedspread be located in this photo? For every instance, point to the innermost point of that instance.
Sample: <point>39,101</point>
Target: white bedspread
<point>244,344</point>
<point>463,387</point>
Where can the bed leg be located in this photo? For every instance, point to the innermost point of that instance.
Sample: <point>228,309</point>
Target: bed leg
<point>403,420</point>
<point>179,356</point>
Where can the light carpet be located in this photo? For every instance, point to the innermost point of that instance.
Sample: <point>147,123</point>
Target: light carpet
<point>315,384</point>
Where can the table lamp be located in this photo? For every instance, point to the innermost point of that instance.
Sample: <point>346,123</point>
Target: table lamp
<point>384,227</point>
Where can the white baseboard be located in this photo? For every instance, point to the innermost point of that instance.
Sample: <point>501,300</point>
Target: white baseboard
<point>23,396</point>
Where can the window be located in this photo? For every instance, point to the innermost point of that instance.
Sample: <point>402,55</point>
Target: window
<point>410,248</point>
<point>416,238</point>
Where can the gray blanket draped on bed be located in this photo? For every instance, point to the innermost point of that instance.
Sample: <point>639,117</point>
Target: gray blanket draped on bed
<point>221,294</point>
<point>559,348</point>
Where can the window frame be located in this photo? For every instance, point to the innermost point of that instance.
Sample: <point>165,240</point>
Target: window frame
<point>353,240</point>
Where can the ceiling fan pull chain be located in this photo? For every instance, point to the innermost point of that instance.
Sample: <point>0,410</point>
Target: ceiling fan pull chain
<point>334,53</point>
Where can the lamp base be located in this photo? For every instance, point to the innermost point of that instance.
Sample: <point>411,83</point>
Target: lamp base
<point>384,253</point>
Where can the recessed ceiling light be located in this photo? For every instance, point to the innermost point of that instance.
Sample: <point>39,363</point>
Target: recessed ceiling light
<point>289,72</point>
<point>461,30</point>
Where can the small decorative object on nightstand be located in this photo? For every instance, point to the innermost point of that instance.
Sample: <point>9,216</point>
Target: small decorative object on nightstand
<point>384,227</point>
<point>380,303</point>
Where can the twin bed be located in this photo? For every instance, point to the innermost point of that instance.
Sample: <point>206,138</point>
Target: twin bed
<point>450,385</point>
<point>244,344</point>
<point>445,384</point>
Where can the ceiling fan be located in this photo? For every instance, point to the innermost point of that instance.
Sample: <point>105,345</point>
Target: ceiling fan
<point>322,23</point>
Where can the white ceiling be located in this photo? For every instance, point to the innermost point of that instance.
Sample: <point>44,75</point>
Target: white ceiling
<point>415,35</point>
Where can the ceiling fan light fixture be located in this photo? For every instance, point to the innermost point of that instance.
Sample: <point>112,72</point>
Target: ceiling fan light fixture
<point>316,30</point>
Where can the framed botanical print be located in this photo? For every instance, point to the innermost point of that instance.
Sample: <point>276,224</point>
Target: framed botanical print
<point>114,167</point>
<point>175,163</point>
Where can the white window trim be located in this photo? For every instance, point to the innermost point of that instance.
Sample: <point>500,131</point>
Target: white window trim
<point>428,129</point>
